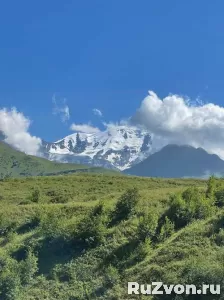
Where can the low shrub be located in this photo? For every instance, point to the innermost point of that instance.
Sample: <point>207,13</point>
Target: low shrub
<point>126,205</point>
<point>167,229</point>
<point>147,226</point>
<point>35,196</point>
<point>191,204</point>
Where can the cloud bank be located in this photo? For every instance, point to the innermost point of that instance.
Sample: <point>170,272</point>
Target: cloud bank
<point>175,120</point>
<point>97,112</point>
<point>172,120</point>
<point>14,126</point>
<point>84,128</point>
<point>61,110</point>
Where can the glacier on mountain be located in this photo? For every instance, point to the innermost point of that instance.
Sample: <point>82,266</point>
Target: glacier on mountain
<point>118,147</point>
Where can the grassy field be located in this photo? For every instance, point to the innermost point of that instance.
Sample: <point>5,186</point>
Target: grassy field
<point>84,236</point>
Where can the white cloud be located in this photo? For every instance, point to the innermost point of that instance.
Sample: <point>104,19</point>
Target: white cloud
<point>97,112</point>
<point>175,119</point>
<point>85,128</point>
<point>61,109</point>
<point>14,126</point>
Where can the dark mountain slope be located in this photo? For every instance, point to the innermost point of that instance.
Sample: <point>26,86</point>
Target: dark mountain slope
<point>179,161</point>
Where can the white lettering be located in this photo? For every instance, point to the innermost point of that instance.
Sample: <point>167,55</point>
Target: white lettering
<point>133,287</point>
<point>156,290</point>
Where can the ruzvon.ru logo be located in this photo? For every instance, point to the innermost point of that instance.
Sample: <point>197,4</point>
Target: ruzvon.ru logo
<point>158,288</point>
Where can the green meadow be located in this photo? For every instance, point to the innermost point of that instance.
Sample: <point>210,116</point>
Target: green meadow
<point>86,235</point>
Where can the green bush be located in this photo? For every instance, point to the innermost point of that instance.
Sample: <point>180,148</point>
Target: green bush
<point>126,205</point>
<point>219,239</point>
<point>51,193</point>
<point>91,230</point>
<point>35,196</point>
<point>191,204</point>
<point>25,202</point>
<point>28,268</point>
<point>7,225</point>
<point>143,249</point>
<point>57,196</point>
<point>166,230</point>
<point>99,209</point>
<point>10,236</point>
<point>112,276</point>
<point>10,282</point>
<point>219,198</point>
<point>211,187</point>
<point>59,199</point>
<point>147,226</point>
<point>199,271</point>
<point>50,225</point>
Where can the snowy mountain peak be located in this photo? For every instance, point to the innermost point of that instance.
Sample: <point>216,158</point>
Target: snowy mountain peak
<point>117,147</point>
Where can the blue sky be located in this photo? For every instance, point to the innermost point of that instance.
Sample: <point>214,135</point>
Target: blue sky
<point>107,55</point>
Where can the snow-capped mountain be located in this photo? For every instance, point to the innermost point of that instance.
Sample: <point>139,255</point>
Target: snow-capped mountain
<point>118,147</point>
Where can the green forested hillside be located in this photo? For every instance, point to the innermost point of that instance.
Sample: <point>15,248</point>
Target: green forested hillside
<point>85,236</point>
<point>15,163</point>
